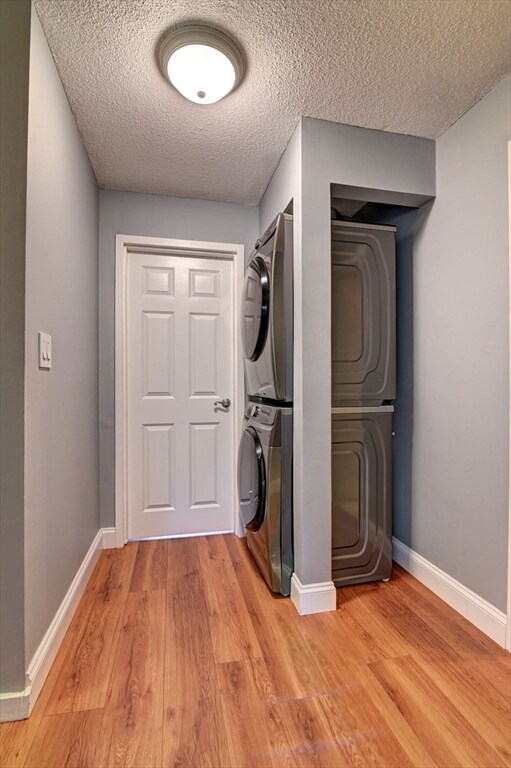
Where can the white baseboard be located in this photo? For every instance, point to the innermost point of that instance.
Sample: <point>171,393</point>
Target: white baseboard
<point>18,704</point>
<point>109,538</point>
<point>312,598</point>
<point>478,611</point>
<point>14,706</point>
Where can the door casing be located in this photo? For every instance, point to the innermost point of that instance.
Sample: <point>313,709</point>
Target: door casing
<point>126,244</point>
<point>508,626</point>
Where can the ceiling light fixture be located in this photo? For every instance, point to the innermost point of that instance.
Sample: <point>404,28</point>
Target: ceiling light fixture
<point>202,63</point>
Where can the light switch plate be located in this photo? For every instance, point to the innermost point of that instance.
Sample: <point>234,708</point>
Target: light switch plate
<point>45,351</point>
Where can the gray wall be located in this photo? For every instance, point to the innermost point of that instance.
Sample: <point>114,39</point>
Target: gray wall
<point>154,216</point>
<point>286,185</point>
<point>375,166</point>
<point>379,166</point>
<point>14,60</point>
<point>61,406</point>
<point>408,222</point>
<point>459,515</point>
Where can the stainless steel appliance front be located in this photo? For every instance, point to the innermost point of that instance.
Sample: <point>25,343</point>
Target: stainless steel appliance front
<point>265,491</point>
<point>361,494</point>
<point>363,314</point>
<point>363,391</point>
<point>267,315</point>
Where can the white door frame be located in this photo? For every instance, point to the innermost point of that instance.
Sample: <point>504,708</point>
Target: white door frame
<point>124,245</point>
<point>508,624</point>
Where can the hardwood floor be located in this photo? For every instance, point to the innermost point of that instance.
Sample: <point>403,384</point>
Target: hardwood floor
<point>178,655</point>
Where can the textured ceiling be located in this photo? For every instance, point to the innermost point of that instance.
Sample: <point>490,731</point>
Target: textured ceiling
<point>407,66</point>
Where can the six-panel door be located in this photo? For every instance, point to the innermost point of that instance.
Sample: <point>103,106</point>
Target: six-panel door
<point>179,362</point>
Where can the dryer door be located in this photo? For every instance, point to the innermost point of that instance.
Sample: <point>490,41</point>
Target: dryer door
<point>251,480</point>
<point>255,309</point>
<point>363,314</point>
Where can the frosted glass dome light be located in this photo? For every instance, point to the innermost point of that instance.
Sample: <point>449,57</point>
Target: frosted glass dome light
<point>203,64</point>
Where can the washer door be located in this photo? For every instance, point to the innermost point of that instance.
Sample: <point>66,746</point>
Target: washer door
<point>251,480</point>
<point>255,309</point>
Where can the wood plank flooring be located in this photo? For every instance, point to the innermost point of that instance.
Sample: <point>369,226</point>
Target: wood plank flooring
<point>178,655</point>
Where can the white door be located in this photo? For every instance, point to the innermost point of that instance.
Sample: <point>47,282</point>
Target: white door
<point>179,357</point>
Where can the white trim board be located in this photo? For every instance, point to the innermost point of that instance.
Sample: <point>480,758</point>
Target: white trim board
<point>124,244</point>
<point>508,633</point>
<point>312,598</point>
<point>109,538</point>
<point>478,611</point>
<point>19,704</point>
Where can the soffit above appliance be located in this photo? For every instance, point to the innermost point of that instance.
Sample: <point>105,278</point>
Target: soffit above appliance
<point>202,63</point>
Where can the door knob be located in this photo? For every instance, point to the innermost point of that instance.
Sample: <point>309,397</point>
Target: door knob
<point>225,403</point>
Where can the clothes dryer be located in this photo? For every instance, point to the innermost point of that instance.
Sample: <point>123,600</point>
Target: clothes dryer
<point>267,315</point>
<point>363,314</point>
<point>265,491</point>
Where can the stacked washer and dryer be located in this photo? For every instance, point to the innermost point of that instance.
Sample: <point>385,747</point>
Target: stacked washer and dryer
<point>265,459</point>
<point>363,391</point>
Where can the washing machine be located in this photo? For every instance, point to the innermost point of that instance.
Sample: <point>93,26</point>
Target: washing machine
<point>265,491</point>
<point>361,494</point>
<point>267,315</point>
